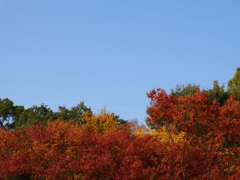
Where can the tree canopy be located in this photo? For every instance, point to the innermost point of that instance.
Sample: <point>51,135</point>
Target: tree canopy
<point>17,117</point>
<point>191,134</point>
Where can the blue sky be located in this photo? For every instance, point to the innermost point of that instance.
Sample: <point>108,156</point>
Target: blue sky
<point>110,53</point>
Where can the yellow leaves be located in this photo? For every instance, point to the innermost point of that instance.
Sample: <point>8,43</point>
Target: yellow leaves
<point>75,176</point>
<point>141,131</point>
<point>138,130</point>
<point>229,158</point>
<point>103,122</point>
<point>164,135</point>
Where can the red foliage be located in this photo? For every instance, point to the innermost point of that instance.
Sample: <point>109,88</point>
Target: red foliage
<point>210,149</point>
<point>211,131</point>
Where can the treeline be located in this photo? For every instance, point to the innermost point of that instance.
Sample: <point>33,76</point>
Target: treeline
<point>191,134</point>
<point>16,117</point>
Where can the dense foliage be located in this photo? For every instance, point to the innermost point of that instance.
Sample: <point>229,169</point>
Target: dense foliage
<point>17,117</point>
<point>192,134</point>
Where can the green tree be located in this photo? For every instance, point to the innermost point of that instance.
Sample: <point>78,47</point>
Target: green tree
<point>16,117</point>
<point>6,111</point>
<point>9,113</point>
<point>218,93</point>
<point>119,120</point>
<point>63,113</point>
<point>34,115</point>
<point>74,115</point>
<point>182,90</point>
<point>234,84</point>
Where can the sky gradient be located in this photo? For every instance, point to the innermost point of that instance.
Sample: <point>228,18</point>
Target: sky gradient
<point>110,53</point>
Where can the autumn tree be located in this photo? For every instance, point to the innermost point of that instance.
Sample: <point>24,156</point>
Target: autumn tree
<point>65,151</point>
<point>208,127</point>
<point>162,134</point>
<point>137,130</point>
<point>192,134</point>
<point>60,150</point>
<point>104,122</point>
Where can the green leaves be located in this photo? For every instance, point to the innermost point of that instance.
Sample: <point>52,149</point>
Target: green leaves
<point>9,113</point>
<point>234,84</point>
<point>34,115</point>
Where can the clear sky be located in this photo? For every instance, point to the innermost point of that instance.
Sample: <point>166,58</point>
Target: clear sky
<point>110,53</point>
